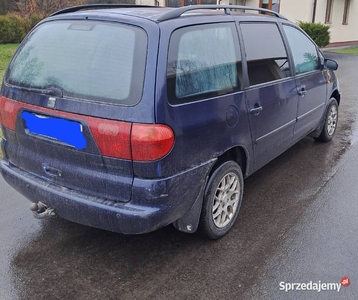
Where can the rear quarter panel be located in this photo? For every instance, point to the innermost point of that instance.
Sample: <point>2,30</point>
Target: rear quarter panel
<point>201,129</point>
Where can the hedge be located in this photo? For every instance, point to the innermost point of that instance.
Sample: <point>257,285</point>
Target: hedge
<point>317,31</point>
<point>13,28</point>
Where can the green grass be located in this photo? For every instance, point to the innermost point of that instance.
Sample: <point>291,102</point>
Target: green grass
<point>6,52</point>
<point>351,50</point>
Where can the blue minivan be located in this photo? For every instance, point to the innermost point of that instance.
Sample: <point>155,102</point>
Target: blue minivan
<point>130,118</point>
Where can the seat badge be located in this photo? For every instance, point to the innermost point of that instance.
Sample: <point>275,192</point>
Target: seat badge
<point>51,102</point>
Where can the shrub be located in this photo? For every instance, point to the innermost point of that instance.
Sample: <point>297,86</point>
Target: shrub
<point>32,20</point>
<point>13,28</point>
<point>317,31</point>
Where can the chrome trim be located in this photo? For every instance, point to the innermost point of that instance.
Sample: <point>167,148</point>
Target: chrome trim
<point>276,130</point>
<point>309,112</point>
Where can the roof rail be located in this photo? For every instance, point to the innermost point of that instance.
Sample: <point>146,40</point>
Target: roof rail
<point>176,13</point>
<point>95,6</point>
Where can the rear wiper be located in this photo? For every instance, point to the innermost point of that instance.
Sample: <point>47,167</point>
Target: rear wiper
<point>53,91</point>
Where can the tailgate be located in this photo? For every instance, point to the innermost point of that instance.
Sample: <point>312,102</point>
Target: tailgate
<point>66,149</point>
<point>70,97</point>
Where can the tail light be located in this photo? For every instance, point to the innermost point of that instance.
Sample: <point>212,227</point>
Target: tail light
<point>140,142</point>
<point>8,111</point>
<point>112,137</point>
<point>125,140</point>
<point>1,122</point>
<point>151,141</point>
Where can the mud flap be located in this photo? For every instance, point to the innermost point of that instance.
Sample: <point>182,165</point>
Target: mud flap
<point>317,132</point>
<point>190,221</point>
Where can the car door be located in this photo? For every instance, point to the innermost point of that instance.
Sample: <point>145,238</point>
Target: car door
<point>310,81</point>
<point>271,94</point>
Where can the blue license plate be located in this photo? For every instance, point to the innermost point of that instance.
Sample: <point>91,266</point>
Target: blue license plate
<point>61,130</point>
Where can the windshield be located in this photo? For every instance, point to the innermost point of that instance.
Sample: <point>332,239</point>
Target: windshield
<point>90,60</point>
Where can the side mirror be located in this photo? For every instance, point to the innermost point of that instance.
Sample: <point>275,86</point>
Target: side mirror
<point>330,64</point>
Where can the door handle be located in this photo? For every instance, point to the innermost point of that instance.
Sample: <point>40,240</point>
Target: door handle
<point>255,111</point>
<point>302,90</point>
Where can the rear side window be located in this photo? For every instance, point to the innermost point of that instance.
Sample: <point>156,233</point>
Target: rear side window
<point>303,50</point>
<point>90,60</point>
<point>203,62</point>
<point>265,52</point>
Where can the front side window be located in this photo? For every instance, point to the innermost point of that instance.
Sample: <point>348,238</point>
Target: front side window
<point>89,60</point>
<point>203,62</point>
<point>265,53</point>
<point>303,50</point>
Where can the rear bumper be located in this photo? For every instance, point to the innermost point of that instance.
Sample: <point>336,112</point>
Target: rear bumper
<point>154,203</point>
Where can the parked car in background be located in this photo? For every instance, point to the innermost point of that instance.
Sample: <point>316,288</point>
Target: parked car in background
<point>131,118</point>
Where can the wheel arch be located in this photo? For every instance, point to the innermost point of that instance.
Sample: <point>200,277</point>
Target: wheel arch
<point>238,154</point>
<point>190,221</point>
<point>317,132</point>
<point>337,96</point>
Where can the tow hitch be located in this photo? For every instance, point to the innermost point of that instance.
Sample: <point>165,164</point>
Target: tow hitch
<point>41,211</point>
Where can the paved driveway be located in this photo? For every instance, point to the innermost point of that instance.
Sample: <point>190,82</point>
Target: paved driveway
<point>298,224</point>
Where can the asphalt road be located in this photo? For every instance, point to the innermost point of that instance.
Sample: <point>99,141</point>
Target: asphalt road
<point>298,224</point>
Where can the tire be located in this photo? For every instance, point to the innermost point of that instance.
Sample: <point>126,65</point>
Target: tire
<point>330,122</point>
<point>222,200</point>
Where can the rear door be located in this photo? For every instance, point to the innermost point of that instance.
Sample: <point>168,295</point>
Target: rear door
<point>70,97</point>
<point>271,93</point>
<point>310,81</point>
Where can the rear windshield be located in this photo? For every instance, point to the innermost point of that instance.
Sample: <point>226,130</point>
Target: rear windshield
<point>90,60</point>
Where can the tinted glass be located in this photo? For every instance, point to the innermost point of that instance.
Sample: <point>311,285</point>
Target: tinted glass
<point>174,3</point>
<point>202,2</point>
<point>90,60</point>
<point>190,2</point>
<point>265,52</point>
<point>202,62</point>
<point>303,50</point>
